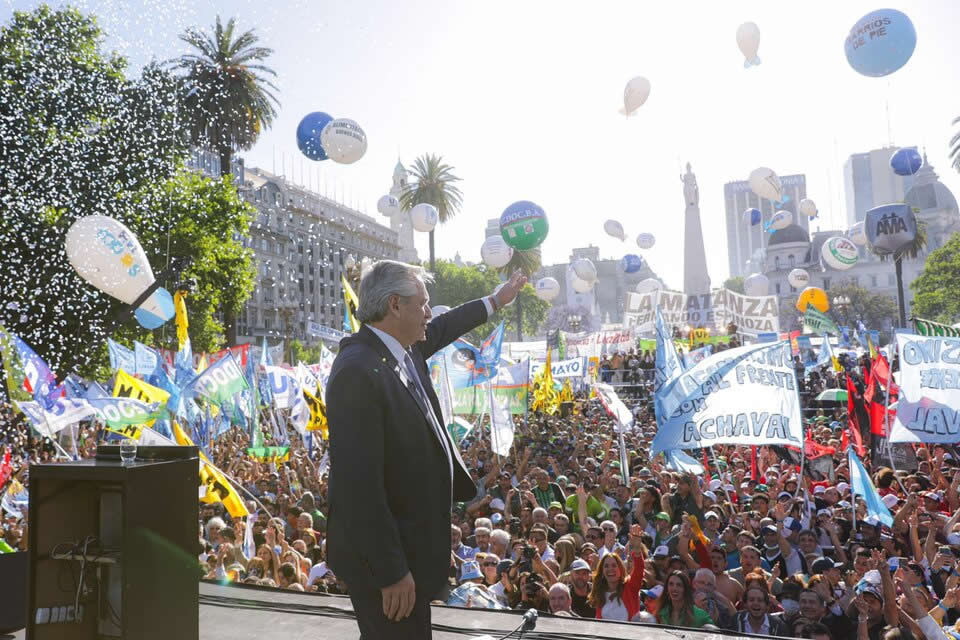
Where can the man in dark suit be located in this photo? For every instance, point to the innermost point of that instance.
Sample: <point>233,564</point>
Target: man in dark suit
<point>394,470</point>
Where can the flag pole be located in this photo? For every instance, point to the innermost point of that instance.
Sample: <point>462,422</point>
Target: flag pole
<point>886,413</point>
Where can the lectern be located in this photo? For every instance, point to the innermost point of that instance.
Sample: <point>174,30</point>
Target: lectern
<point>113,547</point>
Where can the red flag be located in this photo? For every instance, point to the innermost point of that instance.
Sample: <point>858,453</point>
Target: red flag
<point>852,418</point>
<point>754,471</point>
<point>868,389</point>
<point>6,469</point>
<point>881,373</point>
<point>876,419</point>
<point>813,449</point>
<point>706,466</point>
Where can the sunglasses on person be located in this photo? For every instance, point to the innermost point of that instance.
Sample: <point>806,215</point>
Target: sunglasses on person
<point>609,529</point>
<point>537,538</point>
<point>490,564</point>
<point>593,536</point>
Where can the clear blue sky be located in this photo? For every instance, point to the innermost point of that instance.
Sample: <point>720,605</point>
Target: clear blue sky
<point>522,98</point>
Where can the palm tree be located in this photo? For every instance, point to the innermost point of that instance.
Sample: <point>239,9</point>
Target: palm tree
<point>529,263</point>
<point>433,183</point>
<point>227,95</point>
<point>910,250</point>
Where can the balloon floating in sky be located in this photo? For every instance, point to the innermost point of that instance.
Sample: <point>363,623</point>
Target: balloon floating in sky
<point>906,161</point>
<point>766,184</point>
<point>752,217</point>
<point>798,278</point>
<point>748,39</point>
<point>857,234</point>
<point>635,94</point>
<point>388,205</point>
<point>808,208</point>
<point>524,225</point>
<point>813,296</point>
<point>631,263</point>
<point>585,270</point>
<point>880,43</point>
<point>615,229</point>
<point>308,135</point>
<point>107,255</point>
<point>424,217</point>
<point>648,286</point>
<point>756,284</point>
<point>780,220</point>
<point>646,240</point>
<point>547,289</point>
<point>839,253</point>
<point>580,285</point>
<point>890,227</point>
<point>495,252</point>
<point>344,141</point>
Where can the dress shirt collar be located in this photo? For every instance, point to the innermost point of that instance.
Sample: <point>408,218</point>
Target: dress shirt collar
<point>396,349</point>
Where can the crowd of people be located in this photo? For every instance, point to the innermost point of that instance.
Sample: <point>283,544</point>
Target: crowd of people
<point>751,545</point>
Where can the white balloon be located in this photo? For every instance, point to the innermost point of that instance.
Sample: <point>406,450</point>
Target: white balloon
<point>756,284</point>
<point>766,184</point>
<point>343,140</point>
<point>580,285</point>
<point>781,220</point>
<point>424,217</point>
<point>649,285</point>
<point>808,208</point>
<point>107,255</point>
<point>388,205</point>
<point>635,94</point>
<point>646,240</point>
<point>615,229</point>
<point>585,270</point>
<point>858,234</point>
<point>547,289</point>
<point>798,278</point>
<point>496,252</point>
<point>440,309</point>
<point>840,253</point>
<point>748,39</point>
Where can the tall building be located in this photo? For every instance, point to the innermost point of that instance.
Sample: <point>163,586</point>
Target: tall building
<point>300,240</point>
<point>401,222</point>
<point>868,182</point>
<point>746,244</point>
<point>493,228</point>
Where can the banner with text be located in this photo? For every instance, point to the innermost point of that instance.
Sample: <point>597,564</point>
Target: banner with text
<point>752,314</point>
<point>929,406</point>
<point>743,396</point>
<point>599,343</point>
<point>572,368</point>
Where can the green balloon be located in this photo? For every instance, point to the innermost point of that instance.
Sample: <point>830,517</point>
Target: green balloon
<point>524,225</point>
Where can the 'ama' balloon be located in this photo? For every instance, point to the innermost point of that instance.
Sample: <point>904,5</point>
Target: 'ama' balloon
<point>752,217</point>
<point>748,39</point>
<point>107,255</point>
<point>766,184</point>
<point>615,229</point>
<point>906,161</point>
<point>880,43</point>
<point>635,94</point>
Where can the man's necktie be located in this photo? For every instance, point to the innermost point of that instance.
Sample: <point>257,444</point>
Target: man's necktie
<point>421,395</point>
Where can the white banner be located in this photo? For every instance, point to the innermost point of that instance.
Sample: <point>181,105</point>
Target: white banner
<point>929,406</point>
<point>638,313</point>
<point>322,331</point>
<point>751,314</point>
<point>572,368</point>
<point>743,396</point>
<point>599,343</point>
<point>283,386</point>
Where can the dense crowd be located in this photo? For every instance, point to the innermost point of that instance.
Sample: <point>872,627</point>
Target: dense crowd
<point>751,545</point>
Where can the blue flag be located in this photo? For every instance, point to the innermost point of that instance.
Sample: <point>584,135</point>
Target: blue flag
<point>183,372</point>
<point>861,485</point>
<point>120,356</point>
<point>145,359</point>
<point>667,364</point>
<point>468,365</point>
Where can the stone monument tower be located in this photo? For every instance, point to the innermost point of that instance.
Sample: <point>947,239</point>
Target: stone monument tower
<point>401,222</point>
<point>696,280</point>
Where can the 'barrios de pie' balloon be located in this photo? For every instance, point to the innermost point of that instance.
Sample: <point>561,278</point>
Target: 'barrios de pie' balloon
<point>631,263</point>
<point>752,217</point>
<point>585,270</point>
<point>748,39</point>
<point>646,240</point>
<point>107,255</point>
<point>388,205</point>
<point>808,207</point>
<point>766,184</point>
<point>906,161</point>
<point>308,135</point>
<point>547,289</point>
<point>495,252</point>
<point>813,296</point>
<point>880,42</point>
<point>857,234</point>
<point>889,227</point>
<point>615,229</point>
<point>344,141</point>
<point>839,253</point>
<point>756,284</point>
<point>635,94</point>
<point>798,278</point>
<point>424,217</point>
<point>524,225</point>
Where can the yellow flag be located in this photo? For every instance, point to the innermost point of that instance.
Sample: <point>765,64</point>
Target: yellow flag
<point>318,413</point>
<point>126,386</point>
<point>218,487</point>
<point>202,365</point>
<point>873,349</point>
<point>351,302</point>
<point>180,307</point>
<point>566,393</point>
<point>545,397</point>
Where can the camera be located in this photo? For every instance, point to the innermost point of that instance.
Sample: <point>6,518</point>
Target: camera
<point>528,552</point>
<point>514,526</point>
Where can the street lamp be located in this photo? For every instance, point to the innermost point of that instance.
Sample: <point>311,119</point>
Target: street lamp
<point>842,303</point>
<point>573,322</point>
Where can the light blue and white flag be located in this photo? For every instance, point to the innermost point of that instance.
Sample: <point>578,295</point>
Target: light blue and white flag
<point>120,356</point>
<point>146,359</point>
<point>667,365</point>
<point>861,485</point>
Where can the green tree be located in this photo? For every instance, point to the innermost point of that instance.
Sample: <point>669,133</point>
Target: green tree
<point>874,309</point>
<point>300,352</point>
<point>80,138</point>
<point>529,263</point>
<point>455,285</point>
<point>935,289</point>
<point>433,183</point>
<point>734,284</point>
<point>911,251</point>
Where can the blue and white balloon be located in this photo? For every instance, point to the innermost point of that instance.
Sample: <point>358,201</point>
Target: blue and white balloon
<point>808,208</point>
<point>880,43</point>
<point>906,161</point>
<point>646,240</point>
<point>780,220</point>
<point>752,217</point>
<point>857,234</point>
<point>308,135</point>
<point>631,263</point>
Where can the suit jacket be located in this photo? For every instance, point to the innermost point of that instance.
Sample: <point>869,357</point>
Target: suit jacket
<point>777,626</point>
<point>390,489</point>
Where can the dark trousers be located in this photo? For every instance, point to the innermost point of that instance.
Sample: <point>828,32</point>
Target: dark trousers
<point>375,626</point>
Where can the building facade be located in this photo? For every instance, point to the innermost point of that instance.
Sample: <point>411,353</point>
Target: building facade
<point>746,244</point>
<point>401,223</point>
<point>868,182</point>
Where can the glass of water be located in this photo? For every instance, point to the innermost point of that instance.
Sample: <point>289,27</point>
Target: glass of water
<point>128,450</point>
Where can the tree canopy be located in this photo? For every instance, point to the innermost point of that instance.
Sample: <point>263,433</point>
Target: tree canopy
<point>935,289</point>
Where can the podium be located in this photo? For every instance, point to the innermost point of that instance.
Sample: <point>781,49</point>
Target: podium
<point>113,548</point>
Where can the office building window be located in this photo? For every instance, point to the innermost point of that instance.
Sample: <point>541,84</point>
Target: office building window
<point>891,280</point>
<point>826,283</point>
<point>873,281</point>
<point>777,287</point>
